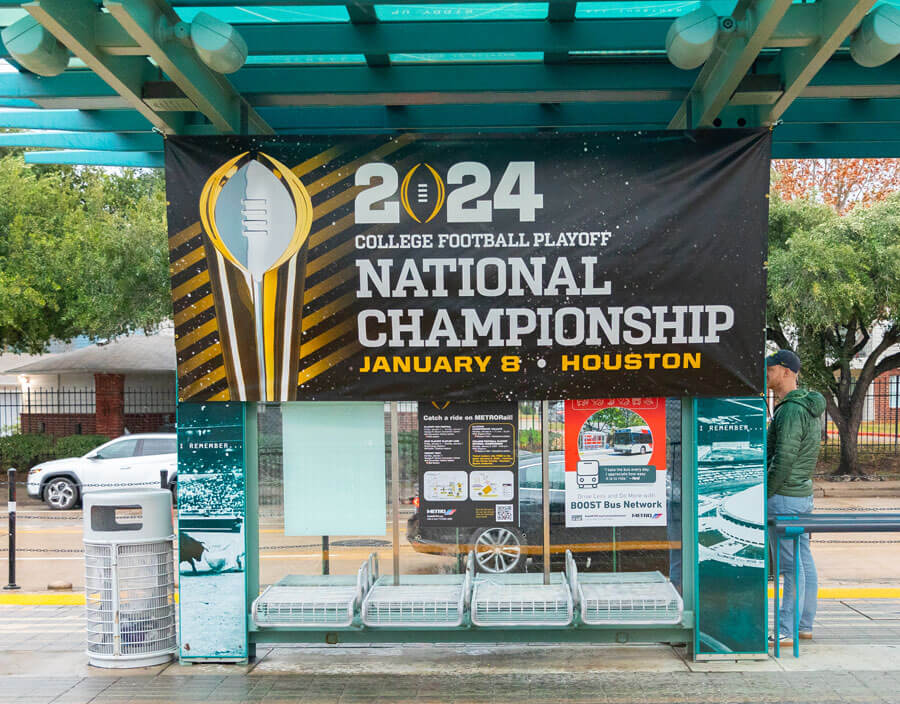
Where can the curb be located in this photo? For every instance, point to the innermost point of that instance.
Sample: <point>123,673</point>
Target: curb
<point>39,599</point>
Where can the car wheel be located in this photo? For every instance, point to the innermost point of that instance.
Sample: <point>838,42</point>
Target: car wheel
<point>643,449</point>
<point>498,549</point>
<point>61,494</point>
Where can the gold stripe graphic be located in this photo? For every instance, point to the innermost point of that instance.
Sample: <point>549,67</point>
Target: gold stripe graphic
<point>326,363</point>
<point>326,311</point>
<point>330,257</point>
<point>323,287</point>
<point>442,193</point>
<point>342,198</point>
<point>320,341</point>
<point>203,383</point>
<point>313,163</point>
<point>195,335</point>
<point>190,285</point>
<point>193,310</point>
<point>223,395</point>
<point>270,285</point>
<point>190,364</point>
<point>322,236</point>
<point>187,234</point>
<point>186,261</point>
<point>348,170</point>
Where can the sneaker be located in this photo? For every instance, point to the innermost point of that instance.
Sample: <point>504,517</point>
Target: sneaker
<point>783,640</point>
<point>805,635</point>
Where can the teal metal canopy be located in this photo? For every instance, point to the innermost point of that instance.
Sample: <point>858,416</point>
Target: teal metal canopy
<point>334,66</point>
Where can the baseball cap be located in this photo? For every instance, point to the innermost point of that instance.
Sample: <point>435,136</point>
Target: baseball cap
<point>784,358</point>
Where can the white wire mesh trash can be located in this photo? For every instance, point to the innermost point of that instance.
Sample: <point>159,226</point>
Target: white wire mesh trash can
<point>129,577</point>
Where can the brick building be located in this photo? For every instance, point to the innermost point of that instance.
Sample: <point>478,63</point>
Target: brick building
<point>886,393</point>
<point>127,384</point>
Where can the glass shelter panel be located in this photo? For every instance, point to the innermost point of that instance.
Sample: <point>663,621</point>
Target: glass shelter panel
<point>426,547</point>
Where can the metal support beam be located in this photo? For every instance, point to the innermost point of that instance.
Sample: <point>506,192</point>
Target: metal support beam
<point>137,160</point>
<point>211,93</point>
<point>837,19</point>
<point>136,142</point>
<point>461,83</point>
<point>561,34</point>
<point>733,56</point>
<point>363,15</point>
<point>635,84</point>
<point>80,120</point>
<point>836,150</point>
<point>73,23</point>
<point>560,13</point>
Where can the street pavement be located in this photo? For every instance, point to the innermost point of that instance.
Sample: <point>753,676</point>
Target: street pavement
<point>854,657</point>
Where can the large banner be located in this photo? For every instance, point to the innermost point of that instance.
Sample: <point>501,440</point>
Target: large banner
<point>469,266</point>
<point>616,462</point>
<point>731,525</point>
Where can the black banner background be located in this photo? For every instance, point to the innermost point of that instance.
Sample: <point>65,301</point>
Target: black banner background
<point>687,213</point>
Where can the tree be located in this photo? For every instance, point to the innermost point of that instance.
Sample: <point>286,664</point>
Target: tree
<point>832,281</point>
<point>840,183</point>
<point>82,252</point>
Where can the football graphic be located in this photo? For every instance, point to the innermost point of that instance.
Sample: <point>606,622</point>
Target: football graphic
<point>422,193</point>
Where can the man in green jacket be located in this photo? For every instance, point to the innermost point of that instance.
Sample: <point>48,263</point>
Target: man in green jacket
<point>793,450</point>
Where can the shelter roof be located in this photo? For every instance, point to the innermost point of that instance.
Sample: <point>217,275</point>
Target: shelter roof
<point>326,66</point>
<point>124,355</point>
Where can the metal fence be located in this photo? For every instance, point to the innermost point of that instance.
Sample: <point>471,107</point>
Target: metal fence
<point>879,431</point>
<point>70,411</point>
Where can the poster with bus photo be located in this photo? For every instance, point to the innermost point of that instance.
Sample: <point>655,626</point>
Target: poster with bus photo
<point>615,462</point>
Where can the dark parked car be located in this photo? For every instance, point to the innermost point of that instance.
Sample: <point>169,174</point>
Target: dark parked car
<point>507,549</point>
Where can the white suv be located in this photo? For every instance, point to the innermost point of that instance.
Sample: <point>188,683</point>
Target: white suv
<point>127,462</point>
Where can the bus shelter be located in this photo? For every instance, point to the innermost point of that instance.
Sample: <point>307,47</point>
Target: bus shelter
<point>469,298</point>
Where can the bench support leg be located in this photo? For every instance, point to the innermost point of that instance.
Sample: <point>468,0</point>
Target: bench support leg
<point>796,624</point>
<point>777,544</point>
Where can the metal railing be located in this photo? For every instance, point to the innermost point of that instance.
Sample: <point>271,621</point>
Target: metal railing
<point>37,410</point>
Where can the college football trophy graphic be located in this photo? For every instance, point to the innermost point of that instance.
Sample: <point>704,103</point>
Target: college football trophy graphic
<point>257,215</point>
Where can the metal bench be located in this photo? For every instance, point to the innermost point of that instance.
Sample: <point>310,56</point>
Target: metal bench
<point>313,601</point>
<point>420,601</point>
<point>623,597</point>
<point>794,525</point>
<point>522,600</point>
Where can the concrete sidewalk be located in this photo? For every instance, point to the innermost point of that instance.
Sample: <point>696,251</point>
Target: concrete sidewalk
<point>855,657</point>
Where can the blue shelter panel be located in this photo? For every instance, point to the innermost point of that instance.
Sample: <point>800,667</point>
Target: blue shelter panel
<point>211,517</point>
<point>334,469</point>
<point>731,514</point>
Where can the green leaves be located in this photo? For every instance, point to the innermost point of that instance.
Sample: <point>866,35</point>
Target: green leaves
<point>81,252</point>
<point>833,279</point>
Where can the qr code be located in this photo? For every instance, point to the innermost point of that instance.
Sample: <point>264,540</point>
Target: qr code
<point>503,513</point>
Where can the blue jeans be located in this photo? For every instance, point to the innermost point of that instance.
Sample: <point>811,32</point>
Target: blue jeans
<point>809,580</point>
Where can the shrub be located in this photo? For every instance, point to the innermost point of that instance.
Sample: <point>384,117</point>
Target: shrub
<point>23,451</point>
<point>77,445</point>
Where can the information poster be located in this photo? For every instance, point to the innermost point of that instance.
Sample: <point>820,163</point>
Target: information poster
<point>468,473</point>
<point>615,462</point>
<point>731,506</point>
